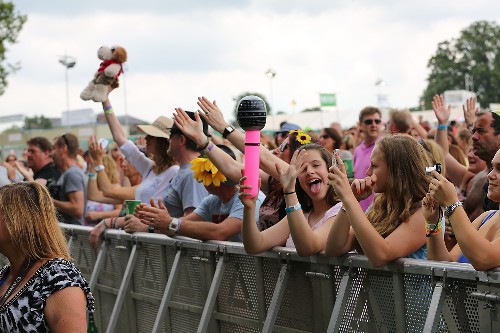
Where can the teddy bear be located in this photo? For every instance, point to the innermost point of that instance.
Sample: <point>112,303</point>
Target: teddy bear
<point>107,74</point>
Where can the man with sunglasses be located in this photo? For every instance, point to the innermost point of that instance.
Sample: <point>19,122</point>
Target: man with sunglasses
<point>369,124</point>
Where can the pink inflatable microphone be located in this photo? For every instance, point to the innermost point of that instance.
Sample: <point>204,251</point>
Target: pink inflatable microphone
<point>251,117</point>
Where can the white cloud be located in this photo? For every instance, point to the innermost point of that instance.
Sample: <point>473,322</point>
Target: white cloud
<point>178,51</point>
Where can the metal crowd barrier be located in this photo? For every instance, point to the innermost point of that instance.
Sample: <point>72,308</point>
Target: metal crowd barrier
<point>152,283</point>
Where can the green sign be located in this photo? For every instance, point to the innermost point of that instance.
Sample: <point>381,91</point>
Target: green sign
<point>328,99</point>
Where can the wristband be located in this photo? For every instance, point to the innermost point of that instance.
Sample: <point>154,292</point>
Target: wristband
<point>113,222</point>
<point>92,176</point>
<point>174,225</point>
<point>442,127</point>
<point>288,193</point>
<point>432,229</point>
<point>108,111</point>
<point>99,167</point>
<point>104,223</point>
<point>293,208</point>
<point>210,147</point>
<point>151,229</point>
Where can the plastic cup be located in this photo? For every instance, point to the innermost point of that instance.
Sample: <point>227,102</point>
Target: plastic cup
<point>131,204</point>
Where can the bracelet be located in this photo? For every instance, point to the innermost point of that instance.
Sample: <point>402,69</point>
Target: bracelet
<point>432,229</point>
<point>179,221</point>
<point>200,149</point>
<point>210,147</point>
<point>151,229</point>
<point>92,176</point>
<point>442,127</point>
<point>113,222</point>
<point>108,111</point>
<point>293,208</point>
<point>105,225</point>
<point>288,193</point>
<point>99,167</point>
<point>343,209</point>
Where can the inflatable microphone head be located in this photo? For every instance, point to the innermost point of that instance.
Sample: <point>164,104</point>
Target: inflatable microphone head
<point>251,113</point>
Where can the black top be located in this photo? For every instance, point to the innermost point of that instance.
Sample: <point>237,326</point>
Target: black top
<point>48,172</point>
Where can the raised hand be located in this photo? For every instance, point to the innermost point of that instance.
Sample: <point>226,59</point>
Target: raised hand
<point>337,178</point>
<point>440,110</point>
<point>288,178</point>
<point>246,197</point>
<point>363,188</point>
<point>212,114</point>
<point>95,149</point>
<point>470,111</point>
<point>430,208</point>
<point>191,128</point>
<point>442,190</point>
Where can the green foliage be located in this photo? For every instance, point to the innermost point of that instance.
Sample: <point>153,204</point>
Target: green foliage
<point>37,122</point>
<point>240,96</point>
<point>11,23</point>
<point>475,52</point>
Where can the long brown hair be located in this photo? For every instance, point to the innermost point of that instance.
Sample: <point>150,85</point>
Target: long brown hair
<point>164,160</point>
<point>407,183</point>
<point>29,216</point>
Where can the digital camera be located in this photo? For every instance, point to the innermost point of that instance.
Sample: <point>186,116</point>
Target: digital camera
<point>437,167</point>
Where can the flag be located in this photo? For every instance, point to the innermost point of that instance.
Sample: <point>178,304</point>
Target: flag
<point>328,99</point>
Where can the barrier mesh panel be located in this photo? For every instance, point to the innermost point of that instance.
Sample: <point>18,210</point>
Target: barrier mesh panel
<point>294,313</point>
<point>188,288</point>
<point>356,315</point>
<point>84,256</point>
<point>226,327</point>
<point>114,265</point>
<point>238,291</point>
<point>381,300</point>
<point>462,307</point>
<point>184,322</point>
<point>148,271</point>
<point>146,316</point>
<point>418,295</point>
<point>271,269</point>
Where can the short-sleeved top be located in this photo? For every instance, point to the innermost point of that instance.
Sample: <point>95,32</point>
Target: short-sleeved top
<point>153,185</point>
<point>463,259</point>
<point>183,192</point>
<point>72,180</point>
<point>329,213</point>
<point>25,312</point>
<point>361,163</point>
<point>49,172</point>
<point>214,210</point>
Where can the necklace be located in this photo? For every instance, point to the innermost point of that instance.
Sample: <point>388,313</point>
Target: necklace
<point>19,277</point>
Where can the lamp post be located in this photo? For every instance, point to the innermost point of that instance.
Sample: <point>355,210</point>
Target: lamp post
<point>68,62</point>
<point>271,73</point>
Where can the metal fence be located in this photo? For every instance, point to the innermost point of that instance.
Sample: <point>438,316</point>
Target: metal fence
<point>152,283</point>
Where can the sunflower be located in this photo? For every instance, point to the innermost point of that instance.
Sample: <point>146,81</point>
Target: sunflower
<point>303,138</point>
<point>206,172</point>
<point>295,131</point>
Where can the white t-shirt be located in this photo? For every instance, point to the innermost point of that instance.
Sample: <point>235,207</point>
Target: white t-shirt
<point>153,185</point>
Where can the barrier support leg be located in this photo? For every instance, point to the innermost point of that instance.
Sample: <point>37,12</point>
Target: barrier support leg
<point>279,291</point>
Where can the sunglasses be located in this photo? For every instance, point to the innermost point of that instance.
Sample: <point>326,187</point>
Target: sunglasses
<point>283,146</point>
<point>11,160</point>
<point>370,121</point>
<point>281,134</point>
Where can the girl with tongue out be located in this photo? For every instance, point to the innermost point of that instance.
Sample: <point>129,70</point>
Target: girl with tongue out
<point>394,225</point>
<point>310,205</point>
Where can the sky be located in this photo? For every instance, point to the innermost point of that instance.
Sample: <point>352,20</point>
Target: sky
<point>179,50</point>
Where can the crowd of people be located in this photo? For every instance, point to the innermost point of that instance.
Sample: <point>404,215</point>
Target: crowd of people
<point>393,189</point>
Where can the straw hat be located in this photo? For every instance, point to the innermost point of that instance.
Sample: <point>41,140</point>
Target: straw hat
<point>160,128</point>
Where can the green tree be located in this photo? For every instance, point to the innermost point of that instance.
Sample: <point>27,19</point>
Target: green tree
<point>240,96</point>
<point>476,52</point>
<point>37,122</point>
<point>11,23</point>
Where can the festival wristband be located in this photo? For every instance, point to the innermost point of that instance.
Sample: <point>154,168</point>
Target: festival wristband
<point>293,208</point>
<point>442,127</point>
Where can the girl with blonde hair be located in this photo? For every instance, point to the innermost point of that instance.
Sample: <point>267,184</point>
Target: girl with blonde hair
<point>393,226</point>
<point>40,285</point>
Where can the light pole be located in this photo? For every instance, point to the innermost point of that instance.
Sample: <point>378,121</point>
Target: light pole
<point>68,62</point>
<point>271,73</point>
